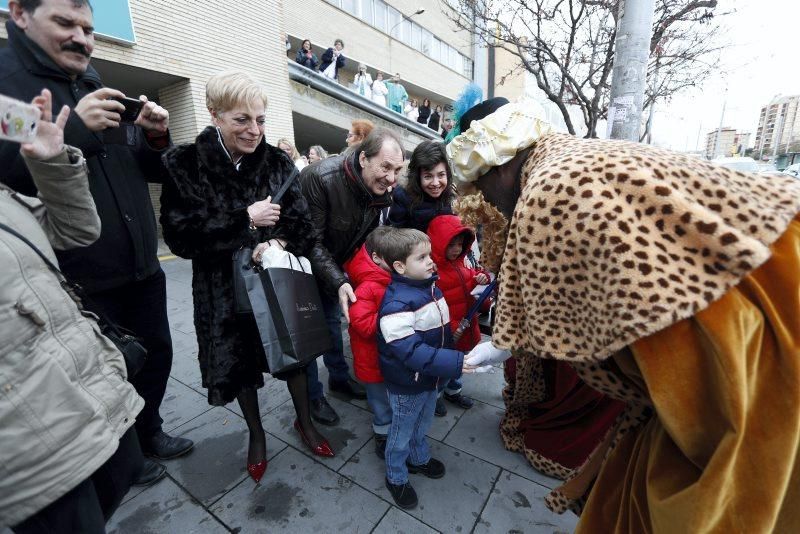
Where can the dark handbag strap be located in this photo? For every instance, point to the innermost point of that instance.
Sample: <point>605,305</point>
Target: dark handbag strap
<point>73,289</point>
<point>277,197</point>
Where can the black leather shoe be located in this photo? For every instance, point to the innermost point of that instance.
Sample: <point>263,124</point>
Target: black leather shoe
<point>433,469</point>
<point>323,413</point>
<point>165,447</point>
<point>151,473</point>
<point>404,495</point>
<point>380,446</point>
<point>348,387</point>
<point>441,409</point>
<point>460,400</point>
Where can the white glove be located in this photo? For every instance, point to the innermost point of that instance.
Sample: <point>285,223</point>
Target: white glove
<point>486,354</point>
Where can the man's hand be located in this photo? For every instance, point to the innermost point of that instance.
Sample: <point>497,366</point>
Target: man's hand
<point>346,297</point>
<point>49,140</point>
<point>98,112</point>
<point>486,354</point>
<point>264,212</point>
<point>153,118</point>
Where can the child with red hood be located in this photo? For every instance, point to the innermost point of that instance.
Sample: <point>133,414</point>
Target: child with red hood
<point>450,243</point>
<point>369,275</point>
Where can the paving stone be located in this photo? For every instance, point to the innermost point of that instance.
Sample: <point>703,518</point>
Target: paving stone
<point>180,405</point>
<point>517,505</point>
<point>176,264</point>
<point>183,321</point>
<point>398,522</point>
<point>273,394</point>
<point>181,273</point>
<point>218,461</point>
<point>450,504</point>
<point>179,291</point>
<point>346,438</point>
<point>299,495</point>
<point>443,425</point>
<point>163,507</point>
<point>186,369</point>
<point>183,342</point>
<point>477,433</point>
<point>486,387</point>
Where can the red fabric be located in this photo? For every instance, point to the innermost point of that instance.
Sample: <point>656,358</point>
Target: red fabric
<point>370,283</point>
<point>567,427</point>
<point>456,280</point>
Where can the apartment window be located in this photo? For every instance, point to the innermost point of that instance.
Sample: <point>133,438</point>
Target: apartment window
<point>436,46</point>
<point>381,12</point>
<point>366,11</point>
<point>349,6</point>
<point>394,22</point>
<point>427,42</point>
<point>416,37</point>
<point>405,34</point>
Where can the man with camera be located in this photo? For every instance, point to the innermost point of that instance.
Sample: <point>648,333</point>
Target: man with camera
<point>50,43</point>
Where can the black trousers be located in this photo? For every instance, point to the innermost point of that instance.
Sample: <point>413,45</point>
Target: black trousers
<point>88,506</point>
<point>141,307</point>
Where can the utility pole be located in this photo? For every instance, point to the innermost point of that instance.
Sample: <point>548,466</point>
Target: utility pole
<point>631,51</point>
<point>719,130</point>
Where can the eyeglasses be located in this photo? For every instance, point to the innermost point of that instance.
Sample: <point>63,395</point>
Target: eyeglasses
<point>350,134</point>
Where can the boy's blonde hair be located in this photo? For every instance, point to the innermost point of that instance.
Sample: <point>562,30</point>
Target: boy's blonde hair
<point>227,90</point>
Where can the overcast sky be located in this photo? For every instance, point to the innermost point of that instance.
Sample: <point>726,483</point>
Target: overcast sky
<point>762,60</point>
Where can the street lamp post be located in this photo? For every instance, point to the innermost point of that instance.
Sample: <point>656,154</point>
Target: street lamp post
<point>403,17</point>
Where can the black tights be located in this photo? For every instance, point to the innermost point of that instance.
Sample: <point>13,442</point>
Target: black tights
<point>297,382</point>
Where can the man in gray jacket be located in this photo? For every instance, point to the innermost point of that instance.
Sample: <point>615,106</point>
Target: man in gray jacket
<point>68,453</point>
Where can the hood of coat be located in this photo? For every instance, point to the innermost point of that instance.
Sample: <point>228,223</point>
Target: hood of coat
<point>442,230</point>
<point>360,268</point>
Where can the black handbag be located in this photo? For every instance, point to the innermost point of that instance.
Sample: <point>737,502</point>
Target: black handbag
<point>126,342</point>
<point>242,260</point>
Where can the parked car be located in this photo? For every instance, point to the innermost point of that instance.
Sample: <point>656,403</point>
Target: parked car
<point>793,169</point>
<point>738,164</point>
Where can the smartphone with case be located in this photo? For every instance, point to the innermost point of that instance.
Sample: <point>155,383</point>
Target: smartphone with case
<point>132,108</point>
<point>18,120</point>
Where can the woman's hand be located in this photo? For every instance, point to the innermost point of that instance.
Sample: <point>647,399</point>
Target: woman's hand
<point>264,212</point>
<point>49,140</point>
<point>259,249</point>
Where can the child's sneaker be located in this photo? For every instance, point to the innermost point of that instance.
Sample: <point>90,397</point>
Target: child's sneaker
<point>380,446</point>
<point>433,469</point>
<point>459,400</point>
<point>441,409</point>
<point>404,495</point>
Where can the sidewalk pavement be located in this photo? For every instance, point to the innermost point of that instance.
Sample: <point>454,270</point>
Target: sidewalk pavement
<point>486,488</point>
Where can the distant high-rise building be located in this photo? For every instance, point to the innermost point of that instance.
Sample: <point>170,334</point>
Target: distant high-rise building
<point>729,142</point>
<point>778,127</point>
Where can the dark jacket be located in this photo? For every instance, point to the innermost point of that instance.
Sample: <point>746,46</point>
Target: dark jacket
<point>433,122</point>
<point>204,215</point>
<point>342,210</point>
<point>424,113</point>
<point>403,215</point>
<point>118,173</point>
<point>307,62</point>
<point>327,58</point>
<point>414,331</point>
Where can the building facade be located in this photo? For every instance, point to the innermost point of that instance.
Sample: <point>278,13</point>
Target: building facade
<point>778,128</point>
<point>726,142</point>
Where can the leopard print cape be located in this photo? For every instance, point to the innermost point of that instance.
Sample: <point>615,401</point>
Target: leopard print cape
<point>612,241</point>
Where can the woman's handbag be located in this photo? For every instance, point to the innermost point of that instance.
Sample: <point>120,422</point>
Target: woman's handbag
<point>126,341</point>
<point>288,311</point>
<point>243,260</point>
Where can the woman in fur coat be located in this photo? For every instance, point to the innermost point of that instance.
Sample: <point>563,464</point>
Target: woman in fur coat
<point>216,199</point>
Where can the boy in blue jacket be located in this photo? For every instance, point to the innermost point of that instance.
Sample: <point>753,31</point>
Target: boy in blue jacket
<point>414,331</point>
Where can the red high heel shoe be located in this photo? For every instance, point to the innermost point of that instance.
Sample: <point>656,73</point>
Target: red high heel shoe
<point>323,449</point>
<point>256,471</point>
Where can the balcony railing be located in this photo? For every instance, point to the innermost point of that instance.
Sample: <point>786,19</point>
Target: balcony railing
<point>325,85</point>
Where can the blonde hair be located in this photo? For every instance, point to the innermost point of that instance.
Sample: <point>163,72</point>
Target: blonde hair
<point>295,154</point>
<point>226,90</point>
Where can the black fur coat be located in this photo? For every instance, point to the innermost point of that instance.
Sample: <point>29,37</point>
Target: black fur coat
<point>204,216</point>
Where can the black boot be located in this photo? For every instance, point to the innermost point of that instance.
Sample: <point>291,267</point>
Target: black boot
<point>322,412</point>
<point>348,387</point>
<point>433,469</point>
<point>165,447</point>
<point>404,495</point>
<point>380,446</point>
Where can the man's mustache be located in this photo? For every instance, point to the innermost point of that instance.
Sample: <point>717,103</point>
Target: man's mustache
<point>76,47</point>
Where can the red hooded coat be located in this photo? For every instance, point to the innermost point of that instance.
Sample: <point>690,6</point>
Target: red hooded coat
<point>370,282</point>
<point>456,280</point>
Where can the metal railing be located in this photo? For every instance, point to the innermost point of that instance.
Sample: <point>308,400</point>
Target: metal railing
<point>329,87</point>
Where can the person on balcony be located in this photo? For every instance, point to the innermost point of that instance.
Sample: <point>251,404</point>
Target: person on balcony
<point>362,83</point>
<point>397,95</point>
<point>333,60</point>
<point>436,116</point>
<point>412,110</point>
<point>306,57</point>
<point>379,90</point>
<point>424,112</point>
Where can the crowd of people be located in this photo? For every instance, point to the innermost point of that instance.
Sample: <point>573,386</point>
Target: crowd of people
<point>646,314</point>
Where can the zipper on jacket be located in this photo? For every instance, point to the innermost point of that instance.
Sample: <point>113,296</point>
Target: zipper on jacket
<point>441,317</point>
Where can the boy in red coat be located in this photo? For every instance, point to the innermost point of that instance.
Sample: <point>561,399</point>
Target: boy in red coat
<point>369,275</point>
<point>450,243</point>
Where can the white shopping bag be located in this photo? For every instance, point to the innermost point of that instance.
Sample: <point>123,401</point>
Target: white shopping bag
<point>274,257</point>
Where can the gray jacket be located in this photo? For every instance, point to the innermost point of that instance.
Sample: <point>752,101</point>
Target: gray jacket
<point>64,398</point>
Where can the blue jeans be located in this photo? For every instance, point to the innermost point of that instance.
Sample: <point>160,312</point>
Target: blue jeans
<point>378,400</point>
<point>411,418</point>
<point>338,371</point>
<point>451,387</point>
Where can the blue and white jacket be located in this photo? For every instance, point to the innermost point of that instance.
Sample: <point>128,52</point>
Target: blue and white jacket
<point>414,333</point>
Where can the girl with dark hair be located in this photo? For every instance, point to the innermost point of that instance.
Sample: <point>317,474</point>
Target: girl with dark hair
<point>436,115</point>
<point>424,112</point>
<point>306,57</point>
<point>429,191</point>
